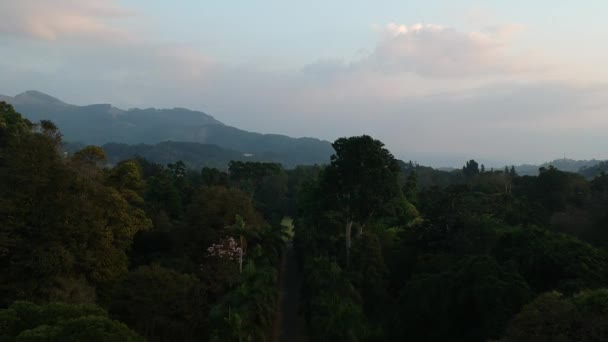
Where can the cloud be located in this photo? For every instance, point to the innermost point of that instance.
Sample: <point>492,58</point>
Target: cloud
<point>92,42</point>
<point>436,51</point>
<point>426,88</point>
<point>53,20</point>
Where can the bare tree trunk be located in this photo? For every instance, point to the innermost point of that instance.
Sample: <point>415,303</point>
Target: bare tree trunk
<point>362,225</point>
<point>241,255</point>
<point>241,261</point>
<point>359,230</point>
<point>347,239</point>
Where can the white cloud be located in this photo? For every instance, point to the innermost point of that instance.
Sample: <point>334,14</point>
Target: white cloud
<point>443,53</point>
<point>432,50</point>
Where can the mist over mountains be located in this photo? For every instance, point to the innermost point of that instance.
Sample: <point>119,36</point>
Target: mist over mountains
<point>100,124</point>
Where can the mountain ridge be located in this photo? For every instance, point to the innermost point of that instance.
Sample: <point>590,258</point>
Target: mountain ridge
<point>99,124</point>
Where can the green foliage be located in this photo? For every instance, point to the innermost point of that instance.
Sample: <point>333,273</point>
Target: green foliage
<point>447,206</point>
<point>162,194</point>
<point>251,176</point>
<point>67,225</point>
<point>471,301</point>
<point>126,175</point>
<point>361,178</point>
<point>272,240</point>
<point>331,304</point>
<point>247,310</point>
<point>554,189</point>
<point>298,181</point>
<point>217,207</point>
<point>211,211</point>
<point>410,189</point>
<point>92,155</point>
<point>57,222</point>
<point>428,177</point>
<point>25,321</point>
<point>12,124</point>
<point>437,255</point>
<point>368,274</point>
<point>161,304</point>
<point>553,317</point>
<point>548,318</point>
<point>360,183</point>
<point>553,261</point>
<point>214,177</point>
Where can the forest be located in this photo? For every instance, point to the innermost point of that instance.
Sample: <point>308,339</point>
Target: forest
<point>386,250</point>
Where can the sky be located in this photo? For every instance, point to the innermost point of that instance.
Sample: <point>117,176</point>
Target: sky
<point>438,82</point>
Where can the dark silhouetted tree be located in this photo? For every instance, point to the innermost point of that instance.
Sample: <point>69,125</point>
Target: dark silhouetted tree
<point>471,169</point>
<point>360,182</point>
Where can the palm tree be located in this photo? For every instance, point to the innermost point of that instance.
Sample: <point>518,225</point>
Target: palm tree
<point>272,240</point>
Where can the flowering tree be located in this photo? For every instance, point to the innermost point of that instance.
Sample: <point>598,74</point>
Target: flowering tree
<point>226,249</point>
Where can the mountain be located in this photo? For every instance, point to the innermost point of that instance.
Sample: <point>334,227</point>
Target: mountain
<point>593,171</point>
<point>563,164</point>
<point>571,165</point>
<point>100,124</point>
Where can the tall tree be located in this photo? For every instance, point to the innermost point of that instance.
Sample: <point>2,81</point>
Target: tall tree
<point>471,169</point>
<point>512,171</point>
<point>360,182</point>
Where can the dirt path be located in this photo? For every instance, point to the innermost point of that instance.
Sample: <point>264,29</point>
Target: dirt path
<point>292,327</point>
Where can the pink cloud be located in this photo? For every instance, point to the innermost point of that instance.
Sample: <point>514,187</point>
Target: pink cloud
<point>90,37</point>
<point>57,19</point>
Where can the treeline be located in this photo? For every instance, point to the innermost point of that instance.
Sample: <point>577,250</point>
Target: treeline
<point>389,251</point>
<point>472,255</point>
<point>138,250</point>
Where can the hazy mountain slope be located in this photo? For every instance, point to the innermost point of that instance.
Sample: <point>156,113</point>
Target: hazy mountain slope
<point>102,123</point>
<point>568,165</point>
<point>571,165</point>
<point>593,171</point>
<point>270,147</point>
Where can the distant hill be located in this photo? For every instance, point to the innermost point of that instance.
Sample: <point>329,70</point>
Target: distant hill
<point>593,171</point>
<point>571,165</point>
<point>100,124</point>
<point>564,164</point>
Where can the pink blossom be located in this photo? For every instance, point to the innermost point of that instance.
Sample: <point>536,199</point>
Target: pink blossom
<point>225,249</point>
